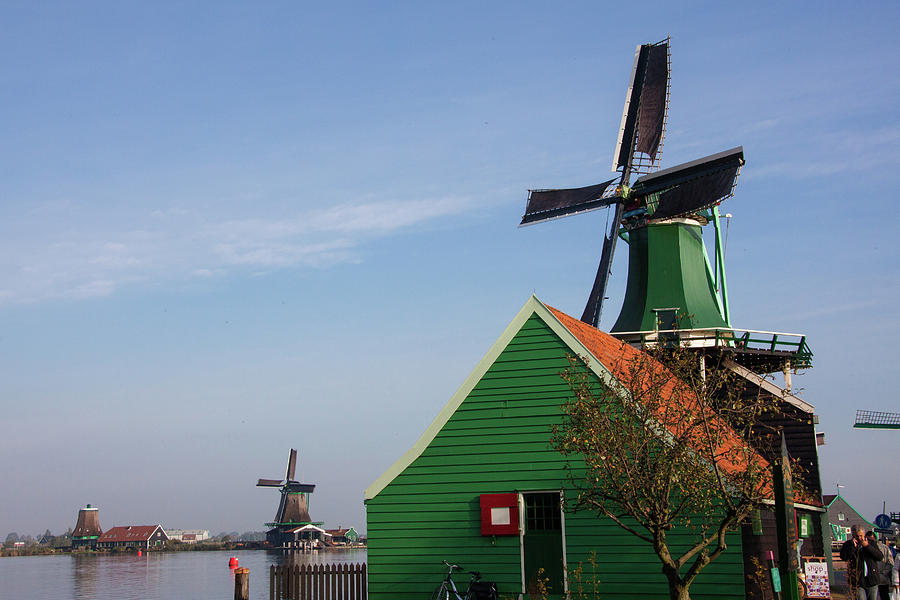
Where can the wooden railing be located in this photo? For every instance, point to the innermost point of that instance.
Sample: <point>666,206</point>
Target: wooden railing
<point>789,344</point>
<point>318,582</point>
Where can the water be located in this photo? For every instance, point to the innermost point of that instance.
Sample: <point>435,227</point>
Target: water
<point>153,576</point>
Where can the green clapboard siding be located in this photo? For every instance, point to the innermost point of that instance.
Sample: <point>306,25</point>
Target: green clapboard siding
<point>498,441</point>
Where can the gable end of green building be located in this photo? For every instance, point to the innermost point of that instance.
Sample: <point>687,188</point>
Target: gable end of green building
<point>493,437</point>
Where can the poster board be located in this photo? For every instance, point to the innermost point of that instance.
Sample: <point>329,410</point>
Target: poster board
<point>817,580</point>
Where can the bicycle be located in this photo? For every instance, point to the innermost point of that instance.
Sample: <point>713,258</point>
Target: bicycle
<point>447,590</point>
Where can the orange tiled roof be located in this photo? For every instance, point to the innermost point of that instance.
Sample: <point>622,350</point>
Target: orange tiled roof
<point>616,356</point>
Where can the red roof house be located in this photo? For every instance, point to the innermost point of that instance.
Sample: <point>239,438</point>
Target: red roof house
<point>133,536</point>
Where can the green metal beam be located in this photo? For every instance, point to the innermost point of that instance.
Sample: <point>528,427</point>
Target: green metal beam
<point>713,283</point>
<point>720,267</point>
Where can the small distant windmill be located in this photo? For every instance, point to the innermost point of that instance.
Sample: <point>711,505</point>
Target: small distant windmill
<point>293,509</point>
<point>87,528</point>
<point>661,214</point>
<point>870,419</point>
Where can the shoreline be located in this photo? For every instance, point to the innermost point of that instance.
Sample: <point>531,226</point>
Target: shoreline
<point>198,547</point>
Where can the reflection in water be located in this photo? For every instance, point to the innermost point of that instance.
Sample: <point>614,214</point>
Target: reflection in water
<point>125,576</point>
<point>153,576</point>
<point>84,576</point>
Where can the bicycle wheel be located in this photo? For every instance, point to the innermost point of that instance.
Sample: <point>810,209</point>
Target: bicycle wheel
<point>441,593</point>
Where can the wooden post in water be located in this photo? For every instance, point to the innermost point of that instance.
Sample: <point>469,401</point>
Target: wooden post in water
<point>242,583</point>
<point>272,582</point>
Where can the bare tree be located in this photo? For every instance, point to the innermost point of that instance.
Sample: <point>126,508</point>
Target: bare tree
<point>665,448</point>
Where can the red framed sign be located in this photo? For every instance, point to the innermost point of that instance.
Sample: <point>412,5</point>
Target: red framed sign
<point>500,514</point>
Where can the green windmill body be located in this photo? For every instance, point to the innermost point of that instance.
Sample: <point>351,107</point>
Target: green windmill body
<point>669,284</point>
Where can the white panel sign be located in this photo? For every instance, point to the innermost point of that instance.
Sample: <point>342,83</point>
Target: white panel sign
<point>500,516</point>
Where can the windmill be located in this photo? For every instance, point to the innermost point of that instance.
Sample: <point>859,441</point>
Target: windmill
<point>670,282</point>
<point>673,294</point>
<point>293,509</point>
<point>87,528</point>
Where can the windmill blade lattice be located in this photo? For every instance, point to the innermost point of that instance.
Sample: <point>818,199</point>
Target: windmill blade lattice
<point>690,187</point>
<point>644,117</point>
<point>872,419</point>
<point>544,205</point>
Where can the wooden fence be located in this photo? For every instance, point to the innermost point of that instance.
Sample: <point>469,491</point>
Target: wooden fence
<point>318,582</point>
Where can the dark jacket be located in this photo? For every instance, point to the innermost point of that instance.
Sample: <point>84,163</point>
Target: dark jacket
<point>885,565</point>
<point>862,563</point>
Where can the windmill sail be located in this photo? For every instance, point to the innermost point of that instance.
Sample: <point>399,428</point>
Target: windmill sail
<point>692,186</point>
<point>642,130</point>
<point>280,512</point>
<point>697,194</point>
<point>292,465</point>
<point>269,483</point>
<point>644,116</point>
<point>594,307</point>
<point>544,205</point>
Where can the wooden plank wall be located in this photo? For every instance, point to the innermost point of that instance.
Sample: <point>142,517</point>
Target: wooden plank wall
<point>498,441</point>
<point>800,436</point>
<point>317,582</point>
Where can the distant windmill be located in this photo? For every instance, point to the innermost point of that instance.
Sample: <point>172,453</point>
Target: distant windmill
<point>87,528</point>
<point>870,419</point>
<point>662,214</point>
<point>293,509</point>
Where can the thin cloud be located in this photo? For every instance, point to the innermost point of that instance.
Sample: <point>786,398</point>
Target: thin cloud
<point>385,217</point>
<point>92,289</point>
<point>758,126</point>
<point>363,219</point>
<point>206,273</point>
<point>84,264</point>
<point>840,152</point>
<point>273,254</point>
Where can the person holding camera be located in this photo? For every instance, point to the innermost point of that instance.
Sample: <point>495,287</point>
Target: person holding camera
<point>862,568</point>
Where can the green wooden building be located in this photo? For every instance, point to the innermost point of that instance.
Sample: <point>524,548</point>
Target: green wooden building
<point>483,488</point>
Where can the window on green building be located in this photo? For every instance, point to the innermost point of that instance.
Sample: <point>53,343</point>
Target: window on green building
<point>542,512</point>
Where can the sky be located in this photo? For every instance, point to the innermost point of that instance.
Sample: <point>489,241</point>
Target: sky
<point>229,229</point>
